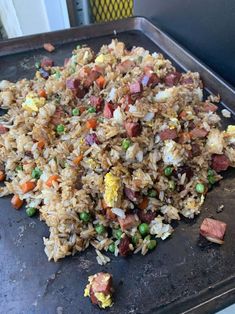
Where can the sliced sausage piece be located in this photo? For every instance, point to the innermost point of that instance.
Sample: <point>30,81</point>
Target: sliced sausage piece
<point>198,133</point>
<point>133,129</point>
<point>124,246</point>
<point>213,230</point>
<point>220,163</point>
<point>146,216</point>
<point>72,83</point>
<point>172,79</point>
<point>47,62</point>
<point>125,66</point>
<point>48,47</point>
<point>129,222</point>
<point>108,110</point>
<point>135,88</point>
<point>168,134</point>
<point>3,129</point>
<point>100,283</point>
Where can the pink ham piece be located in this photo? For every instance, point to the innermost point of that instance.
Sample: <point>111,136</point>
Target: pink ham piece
<point>172,79</point>
<point>213,230</point>
<point>129,222</point>
<point>209,107</point>
<point>133,129</point>
<point>220,163</point>
<point>75,87</point>
<point>101,283</point>
<point>168,134</point>
<point>97,102</point>
<point>108,110</point>
<point>198,133</point>
<point>48,47</point>
<point>125,66</point>
<point>186,80</point>
<point>135,88</point>
<point>131,194</point>
<point>47,62</point>
<point>3,129</point>
<point>150,80</point>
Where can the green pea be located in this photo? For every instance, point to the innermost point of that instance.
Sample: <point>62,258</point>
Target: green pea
<point>144,229</point>
<point>37,65</point>
<point>60,128</point>
<point>75,112</point>
<point>112,247</point>
<point>168,171</point>
<point>31,211</point>
<point>117,233</point>
<point>19,168</point>
<point>84,216</point>
<point>100,229</point>
<point>126,144</point>
<point>210,172</point>
<point>171,185</point>
<point>136,238</point>
<point>91,110</point>
<point>211,179</point>
<point>152,193</point>
<point>152,244</point>
<point>36,173</point>
<point>200,188</point>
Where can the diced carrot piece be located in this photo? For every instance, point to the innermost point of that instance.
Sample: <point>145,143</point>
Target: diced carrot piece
<point>48,47</point>
<point>2,176</point>
<point>41,144</point>
<point>42,93</point>
<point>78,159</point>
<point>100,81</point>
<point>51,179</point>
<point>28,186</point>
<point>144,203</point>
<point>91,123</point>
<point>16,202</point>
<point>82,109</point>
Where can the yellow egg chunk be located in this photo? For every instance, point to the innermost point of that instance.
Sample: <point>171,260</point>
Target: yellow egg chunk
<point>105,300</point>
<point>112,189</point>
<point>33,102</point>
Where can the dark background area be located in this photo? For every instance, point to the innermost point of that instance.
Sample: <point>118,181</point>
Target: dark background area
<point>204,27</point>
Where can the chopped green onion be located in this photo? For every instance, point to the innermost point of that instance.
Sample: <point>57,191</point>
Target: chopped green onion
<point>57,75</point>
<point>78,47</point>
<point>84,216</point>
<point>126,144</point>
<point>36,173</point>
<point>200,188</point>
<point>168,171</point>
<point>100,229</point>
<point>152,193</point>
<point>91,110</point>
<point>152,244</point>
<point>144,229</point>
<point>31,211</point>
<point>112,247</point>
<point>19,168</point>
<point>211,179</point>
<point>75,112</point>
<point>60,128</point>
<point>117,233</point>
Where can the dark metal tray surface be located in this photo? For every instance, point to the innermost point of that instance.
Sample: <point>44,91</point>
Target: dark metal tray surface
<point>180,276</point>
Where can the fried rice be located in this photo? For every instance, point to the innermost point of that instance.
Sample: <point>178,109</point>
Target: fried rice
<point>118,141</point>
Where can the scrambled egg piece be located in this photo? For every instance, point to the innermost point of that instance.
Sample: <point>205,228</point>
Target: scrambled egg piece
<point>105,300</point>
<point>112,189</point>
<point>33,102</point>
<point>105,58</point>
<point>229,134</point>
<point>87,291</point>
<point>172,153</point>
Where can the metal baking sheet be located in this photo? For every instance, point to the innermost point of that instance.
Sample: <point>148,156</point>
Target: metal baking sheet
<point>182,275</point>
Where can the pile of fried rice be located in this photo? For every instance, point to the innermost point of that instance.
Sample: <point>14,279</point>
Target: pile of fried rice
<point>121,143</point>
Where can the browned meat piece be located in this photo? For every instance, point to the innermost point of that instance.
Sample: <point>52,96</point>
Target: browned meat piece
<point>97,102</point>
<point>146,216</point>
<point>47,62</point>
<point>172,79</point>
<point>108,110</point>
<point>129,222</point>
<point>133,129</point>
<point>135,88</point>
<point>3,129</point>
<point>125,66</point>
<point>220,163</point>
<point>213,230</point>
<point>209,108</point>
<point>168,134</point>
<point>150,80</point>
<point>198,133</point>
<point>196,151</point>
<point>57,117</point>
<point>131,194</point>
<point>75,86</point>
<point>48,47</point>
<point>124,246</point>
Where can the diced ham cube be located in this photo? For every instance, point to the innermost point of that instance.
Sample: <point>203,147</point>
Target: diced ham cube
<point>97,102</point>
<point>198,133</point>
<point>172,79</point>
<point>150,80</point>
<point>92,138</point>
<point>133,129</point>
<point>213,230</point>
<point>3,129</point>
<point>147,216</point>
<point>135,88</point>
<point>48,47</point>
<point>129,222</point>
<point>125,66</point>
<point>168,134</point>
<point>209,107</point>
<point>220,163</point>
<point>72,83</point>
<point>100,283</point>
<point>131,194</point>
<point>47,62</point>
<point>108,110</point>
<point>124,246</point>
